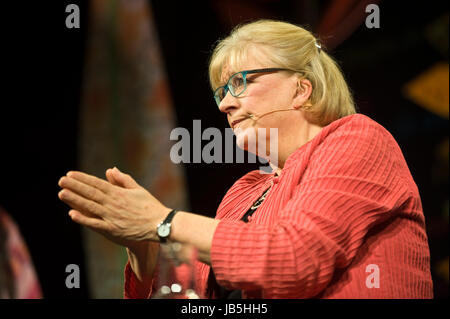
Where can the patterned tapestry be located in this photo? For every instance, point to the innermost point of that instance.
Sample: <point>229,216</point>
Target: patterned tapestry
<point>125,121</point>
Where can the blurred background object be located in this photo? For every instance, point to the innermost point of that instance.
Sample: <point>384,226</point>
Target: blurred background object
<point>126,117</point>
<point>18,278</point>
<point>108,94</point>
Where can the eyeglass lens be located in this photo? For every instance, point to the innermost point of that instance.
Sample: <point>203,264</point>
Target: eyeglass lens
<point>236,85</point>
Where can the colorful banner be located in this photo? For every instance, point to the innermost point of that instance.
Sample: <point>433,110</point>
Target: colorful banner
<point>126,119</point>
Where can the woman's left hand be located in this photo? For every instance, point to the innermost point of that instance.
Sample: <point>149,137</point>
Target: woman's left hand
<point>126,215</point>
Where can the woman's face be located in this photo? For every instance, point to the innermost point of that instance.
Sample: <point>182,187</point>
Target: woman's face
<point>268,102</point>
<point>265,92</point>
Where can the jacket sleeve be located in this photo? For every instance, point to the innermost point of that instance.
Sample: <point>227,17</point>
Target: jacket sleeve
<point>354,180</point>
<point>133,288</point>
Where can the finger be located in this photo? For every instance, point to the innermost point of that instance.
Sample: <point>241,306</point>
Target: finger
<point>110,177</point>
<point>62,196</point>
<point>91,180</point>
<point>80,210</point>
<point>82,189</point>
<point>93,223</point>
<point>80,203</point>
<point>124,180</point>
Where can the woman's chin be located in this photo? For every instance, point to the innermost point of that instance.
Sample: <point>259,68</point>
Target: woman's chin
<point>246,139</point>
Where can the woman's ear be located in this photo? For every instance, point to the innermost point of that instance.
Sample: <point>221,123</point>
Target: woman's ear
<point>303,93</point>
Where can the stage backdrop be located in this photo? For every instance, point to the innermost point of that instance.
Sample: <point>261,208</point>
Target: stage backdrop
<point>126,119</point>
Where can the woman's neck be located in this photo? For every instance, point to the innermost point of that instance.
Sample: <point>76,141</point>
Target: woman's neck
<point>289,144</point>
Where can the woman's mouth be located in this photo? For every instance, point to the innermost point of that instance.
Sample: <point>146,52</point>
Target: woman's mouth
<point>234,123</point>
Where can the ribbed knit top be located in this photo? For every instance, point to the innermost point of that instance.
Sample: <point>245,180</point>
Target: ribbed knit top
<point>343,220</point>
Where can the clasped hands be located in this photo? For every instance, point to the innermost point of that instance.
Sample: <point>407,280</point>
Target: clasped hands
<point>119,208</point>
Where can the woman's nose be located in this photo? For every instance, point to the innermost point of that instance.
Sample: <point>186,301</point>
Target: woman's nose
<point>228,103</point>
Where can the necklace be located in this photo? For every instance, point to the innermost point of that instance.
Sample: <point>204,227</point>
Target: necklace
<point>260,200</point>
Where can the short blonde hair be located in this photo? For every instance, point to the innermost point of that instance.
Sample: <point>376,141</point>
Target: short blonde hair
<point>285,45</point>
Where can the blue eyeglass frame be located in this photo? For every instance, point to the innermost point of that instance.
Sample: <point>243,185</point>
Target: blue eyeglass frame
<point>226,87</point>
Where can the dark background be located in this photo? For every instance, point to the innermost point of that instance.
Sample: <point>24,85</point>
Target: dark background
<point>42,76</point>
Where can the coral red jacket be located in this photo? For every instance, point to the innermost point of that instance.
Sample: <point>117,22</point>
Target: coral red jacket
<point>343,220</point>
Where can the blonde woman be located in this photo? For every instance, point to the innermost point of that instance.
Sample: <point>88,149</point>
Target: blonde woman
<point>339,217</point>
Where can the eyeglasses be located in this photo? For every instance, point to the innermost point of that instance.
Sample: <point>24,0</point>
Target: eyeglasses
<point>237,83</point>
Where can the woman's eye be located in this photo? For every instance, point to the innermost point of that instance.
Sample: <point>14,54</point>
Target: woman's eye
<point>238,82</point>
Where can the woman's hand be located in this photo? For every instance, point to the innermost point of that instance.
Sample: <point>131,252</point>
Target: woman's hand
<point>126,215</point>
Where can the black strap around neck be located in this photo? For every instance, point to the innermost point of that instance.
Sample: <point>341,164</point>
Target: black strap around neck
<point>255,206</point>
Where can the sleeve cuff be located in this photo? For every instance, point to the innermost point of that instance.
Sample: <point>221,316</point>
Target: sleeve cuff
<point>133,287</point>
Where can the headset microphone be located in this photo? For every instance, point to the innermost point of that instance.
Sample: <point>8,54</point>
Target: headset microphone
<point>258,117</point>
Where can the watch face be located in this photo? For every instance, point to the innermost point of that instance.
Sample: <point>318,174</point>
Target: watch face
<point>164,230</point>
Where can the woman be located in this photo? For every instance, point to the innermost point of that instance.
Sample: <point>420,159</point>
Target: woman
<point>339,217</point>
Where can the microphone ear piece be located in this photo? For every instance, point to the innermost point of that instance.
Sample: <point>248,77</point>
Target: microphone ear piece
<point>306,106</point>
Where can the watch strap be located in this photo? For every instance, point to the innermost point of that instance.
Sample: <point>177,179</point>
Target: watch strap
<point>170,216</point>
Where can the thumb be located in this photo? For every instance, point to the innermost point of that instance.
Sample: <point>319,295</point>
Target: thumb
<point>110,177</point>
<point>118,178</point>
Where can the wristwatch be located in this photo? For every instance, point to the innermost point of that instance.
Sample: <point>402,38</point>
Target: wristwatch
<point>163,228</point>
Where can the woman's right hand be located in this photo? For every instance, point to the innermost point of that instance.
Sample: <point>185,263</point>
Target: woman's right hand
<point>143,255</point>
